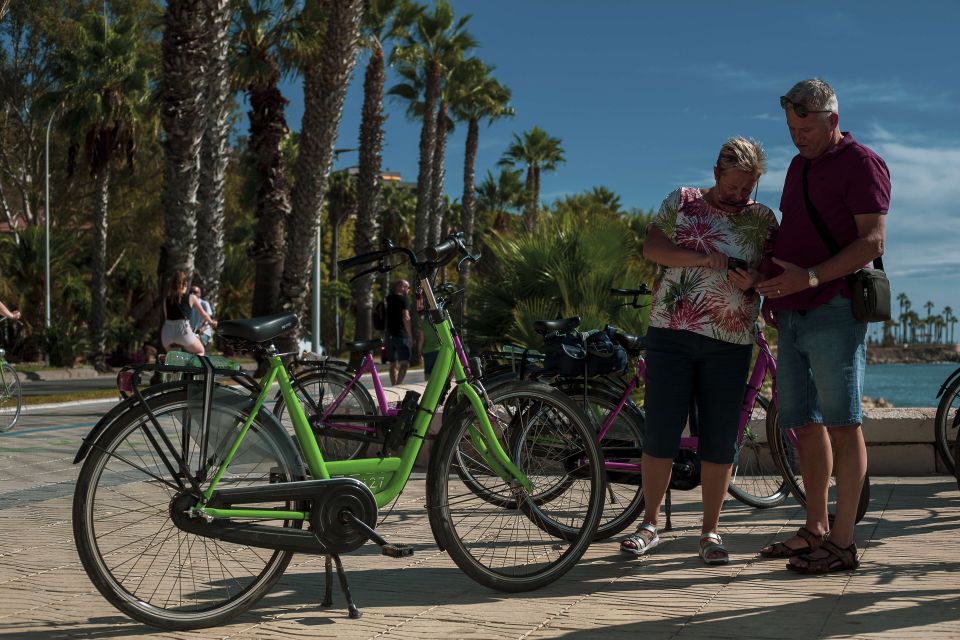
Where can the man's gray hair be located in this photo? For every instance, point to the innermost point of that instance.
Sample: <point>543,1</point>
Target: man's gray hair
<point>742,154</point>
<point>815,95</point>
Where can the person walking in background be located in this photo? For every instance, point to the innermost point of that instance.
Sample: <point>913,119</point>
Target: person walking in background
<point>821,355</point>
<point>398,332</point>
<point>711,244</point>
<point>177,306</point>
<point>6,313</point>
<point>200,327</point>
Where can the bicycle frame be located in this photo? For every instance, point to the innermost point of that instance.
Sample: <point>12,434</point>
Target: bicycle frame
<point>395,470</point>
<point>367,366</point>
<point>764,364</point>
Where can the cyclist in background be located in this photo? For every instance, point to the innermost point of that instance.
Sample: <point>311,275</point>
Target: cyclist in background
<point>177,304</point>
<point>710,243</point>
<point>6,313</point>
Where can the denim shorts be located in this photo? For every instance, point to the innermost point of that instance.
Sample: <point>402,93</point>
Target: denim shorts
<point>683,366</point>
<point>821,358</point>
<point>398,348</point>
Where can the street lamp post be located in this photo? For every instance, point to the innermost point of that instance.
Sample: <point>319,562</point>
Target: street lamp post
<point>46,226</point>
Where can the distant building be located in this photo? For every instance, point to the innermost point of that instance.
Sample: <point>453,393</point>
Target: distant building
<point>391,177</point>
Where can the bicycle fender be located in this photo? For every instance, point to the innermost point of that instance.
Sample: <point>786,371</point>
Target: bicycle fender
<point>946,383</point>
<point>115,413</point>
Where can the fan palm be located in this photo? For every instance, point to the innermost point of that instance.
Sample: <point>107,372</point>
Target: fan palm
<point>213,153</point>
<point>383,21</point>
<point>435,42</point>
<point>104,85</point>
<point>326,74</point>
<point>260,36</point>
<point>184,52</point>
<point>538,152</point>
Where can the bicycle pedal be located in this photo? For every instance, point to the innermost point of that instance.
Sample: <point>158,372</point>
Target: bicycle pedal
<point>397,550</point>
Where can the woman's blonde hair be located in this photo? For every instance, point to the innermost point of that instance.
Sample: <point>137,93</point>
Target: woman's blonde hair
<point>177,283</point>
<point>742,154</point>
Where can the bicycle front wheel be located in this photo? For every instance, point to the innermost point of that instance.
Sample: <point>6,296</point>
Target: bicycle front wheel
<point>946,424</point>
<point>756,479</point>
<point>10,397</point>
<point>317,391</point>
<point>132,551</point>
<point>788,462</point>
<point>537,535</point>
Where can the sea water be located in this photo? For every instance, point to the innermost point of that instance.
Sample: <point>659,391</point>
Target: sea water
<point>907,385</point>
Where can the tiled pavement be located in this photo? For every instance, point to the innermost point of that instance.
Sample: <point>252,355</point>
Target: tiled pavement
<point>906,587</point>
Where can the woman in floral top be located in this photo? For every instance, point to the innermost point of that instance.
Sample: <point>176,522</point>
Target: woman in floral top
<point>701,332</point>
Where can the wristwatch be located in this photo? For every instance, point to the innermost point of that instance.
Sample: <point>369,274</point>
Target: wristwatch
<point>812,279</point>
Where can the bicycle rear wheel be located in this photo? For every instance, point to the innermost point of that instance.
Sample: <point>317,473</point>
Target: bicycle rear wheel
<point>946,424</point>
<point>10,397</point>
<point>133,553</point>
<point>317,390</point>
<point>789,465</point>
<point>756,480</point>
<point>536,536</point>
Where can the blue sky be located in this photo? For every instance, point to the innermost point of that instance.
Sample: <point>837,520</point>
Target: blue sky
<point>642,95</point>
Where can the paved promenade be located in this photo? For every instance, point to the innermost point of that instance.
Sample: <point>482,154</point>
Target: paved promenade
<point>906,587</point>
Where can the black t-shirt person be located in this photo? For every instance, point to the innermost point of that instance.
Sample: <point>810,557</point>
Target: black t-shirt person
<point>396,305</point>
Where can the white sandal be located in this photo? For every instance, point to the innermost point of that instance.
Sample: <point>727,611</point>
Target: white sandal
<point>711,543</point>
<point>640,544</point>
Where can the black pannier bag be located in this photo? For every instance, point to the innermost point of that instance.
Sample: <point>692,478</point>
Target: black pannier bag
<point>593,353</point>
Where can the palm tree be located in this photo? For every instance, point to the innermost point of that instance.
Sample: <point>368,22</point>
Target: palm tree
<point>260,35</point>
<point>383,20</point>
<point>950,321</point>
<point>213,153</point>
<point>105,88</point>
<point>475,95</point>
<point>184,53</point>
<point>326,75</point>
<point>904,315</point>
<point>539,152</point>
<point>501,196</point>
<point>436,41</point>
<point>929,307</point>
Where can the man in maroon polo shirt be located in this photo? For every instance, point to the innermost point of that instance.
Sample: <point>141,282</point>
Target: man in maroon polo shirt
<point>821,354</point>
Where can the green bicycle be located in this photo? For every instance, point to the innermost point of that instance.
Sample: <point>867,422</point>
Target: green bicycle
<point>11,397</point>
<point>192,498</point>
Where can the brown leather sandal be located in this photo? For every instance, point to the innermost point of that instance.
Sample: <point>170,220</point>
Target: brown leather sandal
<point>782,550</point>
<point>837,559</point>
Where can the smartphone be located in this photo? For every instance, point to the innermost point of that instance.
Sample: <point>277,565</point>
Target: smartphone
<point>736,263</point>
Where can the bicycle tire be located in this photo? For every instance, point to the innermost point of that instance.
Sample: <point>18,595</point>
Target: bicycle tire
<point>11,397</point>
<point>756,479</point>
<point>623,443</point>
<point>786,457</point>
<point>124,550</point>
<point>316,389</point>
<point>946,424</point>
<point>505,548</point>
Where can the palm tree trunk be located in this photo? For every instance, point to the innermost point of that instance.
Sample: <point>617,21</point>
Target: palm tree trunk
<point>184,62</point>
<point>213,156</point>
<point>469,201</point>
<point>98,280</point>
<point>368,187</point>
<point>325,86</point>
<point>530,215</point>
<point>436,180</point>
<point>268,128</point>
<point>428,132</point>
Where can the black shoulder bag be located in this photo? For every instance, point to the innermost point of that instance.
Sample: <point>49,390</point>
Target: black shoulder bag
<point>869,288</point>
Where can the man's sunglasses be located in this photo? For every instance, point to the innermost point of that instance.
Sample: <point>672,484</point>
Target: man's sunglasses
<point>800,110</point>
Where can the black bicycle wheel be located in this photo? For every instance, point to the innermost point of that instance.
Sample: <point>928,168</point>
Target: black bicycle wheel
<point>10,397</point>
<point>529,545</point>
<point>316,391</point>
<point>132,551</point>
<point>756,479</point>
<point>788,463</point>
<point>946,423</point>
<point>622,448</point>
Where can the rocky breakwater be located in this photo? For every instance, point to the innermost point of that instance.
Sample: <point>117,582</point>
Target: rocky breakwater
<point>913,353</point>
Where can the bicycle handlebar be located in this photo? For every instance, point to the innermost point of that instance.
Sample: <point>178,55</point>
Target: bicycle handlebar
<point>433,257</point>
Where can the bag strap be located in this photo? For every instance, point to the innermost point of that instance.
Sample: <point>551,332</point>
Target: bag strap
<point>821,226</point>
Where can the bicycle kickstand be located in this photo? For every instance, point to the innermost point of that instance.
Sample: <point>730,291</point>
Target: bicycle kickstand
<point>352,609</point>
